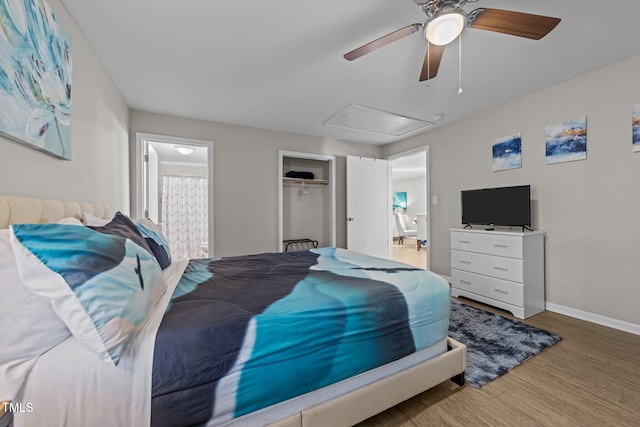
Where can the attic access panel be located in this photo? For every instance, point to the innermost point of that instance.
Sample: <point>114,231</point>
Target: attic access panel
<point>361,118</point>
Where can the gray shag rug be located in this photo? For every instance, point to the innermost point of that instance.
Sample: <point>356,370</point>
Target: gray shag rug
<point>494,343</point>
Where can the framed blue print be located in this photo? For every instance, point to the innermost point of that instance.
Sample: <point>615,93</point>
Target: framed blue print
<point>400,200</point>
<point>507,153</point>
<point>566,141</point>
<point>636,128</point>
<point>35,77</point>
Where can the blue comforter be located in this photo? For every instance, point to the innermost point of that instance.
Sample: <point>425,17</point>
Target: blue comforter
<point>243,333</point>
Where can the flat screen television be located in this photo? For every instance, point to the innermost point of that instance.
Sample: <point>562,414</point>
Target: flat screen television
<point>503,206</point>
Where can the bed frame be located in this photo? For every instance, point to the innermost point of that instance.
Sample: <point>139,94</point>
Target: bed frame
<point>370,400</point>
<point>21,210</point>
<point>345,410</point>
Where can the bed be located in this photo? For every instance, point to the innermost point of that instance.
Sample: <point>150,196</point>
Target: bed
<point>163,375</point>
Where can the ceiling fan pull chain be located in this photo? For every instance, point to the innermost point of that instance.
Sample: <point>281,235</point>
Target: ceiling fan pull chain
<point>459,64</point>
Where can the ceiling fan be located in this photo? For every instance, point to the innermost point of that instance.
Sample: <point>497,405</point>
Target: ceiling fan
<point>447,19</point>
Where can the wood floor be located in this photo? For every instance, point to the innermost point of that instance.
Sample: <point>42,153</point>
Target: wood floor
<point>409,254</point>
<point>590,378</point>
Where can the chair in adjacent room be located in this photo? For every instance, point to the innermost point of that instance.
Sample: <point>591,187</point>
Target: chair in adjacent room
<point>403,231</point>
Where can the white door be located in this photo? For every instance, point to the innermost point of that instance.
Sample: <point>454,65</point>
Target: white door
<point>369,206</point>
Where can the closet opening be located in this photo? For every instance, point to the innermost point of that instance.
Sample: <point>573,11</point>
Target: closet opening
<point>306,201</point>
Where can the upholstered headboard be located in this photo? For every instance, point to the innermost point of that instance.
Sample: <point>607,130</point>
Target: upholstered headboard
<point>20,210</point>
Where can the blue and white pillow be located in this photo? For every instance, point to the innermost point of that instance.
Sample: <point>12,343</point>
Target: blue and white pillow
<point>122,226</point>
<point>102,286</point>
<point>156,241</point>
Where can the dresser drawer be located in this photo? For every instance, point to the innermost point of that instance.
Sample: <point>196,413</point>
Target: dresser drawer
<point>487,243</point>
<point>504,245</point>
<point>501,290</point>
<point>464,241</point>
<point>467,281</point>
<point>489,265</point>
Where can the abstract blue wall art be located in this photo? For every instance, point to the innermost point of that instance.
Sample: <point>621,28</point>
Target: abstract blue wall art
<point>400,200</point>
<point>507,153</point>
<point>35,77</point>
<point>636,128</point>
<point>566,141</point>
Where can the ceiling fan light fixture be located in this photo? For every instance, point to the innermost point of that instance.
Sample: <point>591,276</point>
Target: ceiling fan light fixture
<point>445,26</point>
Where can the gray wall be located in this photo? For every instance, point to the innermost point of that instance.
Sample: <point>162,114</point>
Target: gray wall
<point>246,176</point>
<point>98,171</point>
<point>588,208</point>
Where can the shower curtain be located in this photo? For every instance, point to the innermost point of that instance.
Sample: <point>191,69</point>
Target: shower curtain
<point>185,216</point>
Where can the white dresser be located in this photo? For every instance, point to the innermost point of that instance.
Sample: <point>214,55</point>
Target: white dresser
<point>500,268</point>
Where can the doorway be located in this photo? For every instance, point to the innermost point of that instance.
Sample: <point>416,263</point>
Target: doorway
<point>411,219</point>
<point>306,194</point>
<point>174,188</point>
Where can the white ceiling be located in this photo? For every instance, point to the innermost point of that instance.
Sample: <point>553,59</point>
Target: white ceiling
<point>409,166</point>
<point>278,65</point>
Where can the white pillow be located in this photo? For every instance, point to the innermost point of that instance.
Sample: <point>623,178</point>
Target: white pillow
<point>93,220</point>
<point>70,221</point>
<point>28,325</point>
<point>102,286</point>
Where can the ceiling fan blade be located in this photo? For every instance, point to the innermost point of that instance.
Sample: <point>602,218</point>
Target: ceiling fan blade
<point>382,41</point>
<point>513,23</point>
<point>431,62</point>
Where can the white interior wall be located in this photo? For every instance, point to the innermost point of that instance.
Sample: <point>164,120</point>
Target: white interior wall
<point>98,170</point>
<point>588,208</point>
<point>182,169</point>
<point>306,213</point>
<point>246,176</point>
<point>416,189</point>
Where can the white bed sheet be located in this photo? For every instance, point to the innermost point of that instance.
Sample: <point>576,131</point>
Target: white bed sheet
<point>70,386</point>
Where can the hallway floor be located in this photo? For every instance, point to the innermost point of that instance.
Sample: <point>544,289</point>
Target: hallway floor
<point>409,254</point>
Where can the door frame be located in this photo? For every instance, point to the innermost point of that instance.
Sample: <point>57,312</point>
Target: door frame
<point>425,149</point>
<point>332,188</point>
<point>138,171</point>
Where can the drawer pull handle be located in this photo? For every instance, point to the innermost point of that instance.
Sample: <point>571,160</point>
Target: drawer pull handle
<point>500,246</point>
<point>465,282</point>
<point>500,268</point>
<point>465,262</point>
<point>500,291</point>
<point>467,242</point>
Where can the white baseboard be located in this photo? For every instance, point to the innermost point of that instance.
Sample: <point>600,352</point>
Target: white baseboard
<point>594,318</point>
<point>585,315</point>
